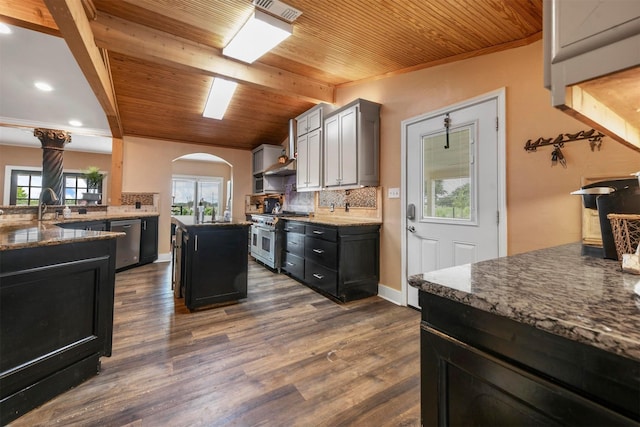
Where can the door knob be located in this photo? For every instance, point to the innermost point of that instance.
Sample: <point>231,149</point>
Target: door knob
<point>411,228</point>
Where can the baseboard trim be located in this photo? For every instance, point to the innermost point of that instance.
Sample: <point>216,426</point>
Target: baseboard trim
<point>164,257</point>
<point>390,294</point>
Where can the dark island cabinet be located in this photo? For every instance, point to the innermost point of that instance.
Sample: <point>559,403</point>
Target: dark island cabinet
<point>213,264</point>
<point>148,239</point>
<point>342,262</point>
<point>56,320</point>
<point>481,369</point>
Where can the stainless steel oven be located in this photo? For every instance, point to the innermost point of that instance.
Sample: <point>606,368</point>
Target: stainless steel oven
<point>264,240</point>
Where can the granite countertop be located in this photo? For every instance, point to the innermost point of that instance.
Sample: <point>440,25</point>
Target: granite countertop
<point>30,234</point>
<point>584,299</point>
<point>25,232</point>
<point>189,221</point>
<point>335,221</point>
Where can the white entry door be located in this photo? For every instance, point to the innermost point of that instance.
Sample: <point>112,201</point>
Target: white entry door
<point>452,189</point>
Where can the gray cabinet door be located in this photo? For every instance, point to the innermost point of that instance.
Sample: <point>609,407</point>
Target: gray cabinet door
<point>332,151</point>
<point>314,169</point>
<point>302,163</point>
<point>341,148</point>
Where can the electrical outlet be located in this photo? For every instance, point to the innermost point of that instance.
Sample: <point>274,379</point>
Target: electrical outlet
<point>394,193</point>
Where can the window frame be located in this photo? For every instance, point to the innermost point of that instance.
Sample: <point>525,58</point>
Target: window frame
<point>10,186</point>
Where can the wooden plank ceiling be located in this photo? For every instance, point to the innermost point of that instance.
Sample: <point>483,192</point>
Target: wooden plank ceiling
<point>162,55</point>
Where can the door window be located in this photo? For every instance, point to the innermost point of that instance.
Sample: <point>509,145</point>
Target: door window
<point>188,192</point>
<point>448,175</point>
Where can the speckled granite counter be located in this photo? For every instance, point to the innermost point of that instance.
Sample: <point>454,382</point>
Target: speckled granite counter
<point>585,299</point>
<point>31,234</point>
<point>334,221</point>
<point>22,233</point>
<point>189,221</point>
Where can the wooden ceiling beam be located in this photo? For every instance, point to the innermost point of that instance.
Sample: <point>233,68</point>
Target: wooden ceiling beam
<point>74,25</point>
<point>30,14</point>
<point>128,38</point>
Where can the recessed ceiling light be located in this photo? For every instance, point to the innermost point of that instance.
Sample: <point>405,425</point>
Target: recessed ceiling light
<point>45,87</point>
<point>75,122</point>
<point>4,29</point>
<point>219,98</point>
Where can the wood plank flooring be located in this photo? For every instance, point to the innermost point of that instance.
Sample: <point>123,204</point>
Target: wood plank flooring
<point>285,356</point>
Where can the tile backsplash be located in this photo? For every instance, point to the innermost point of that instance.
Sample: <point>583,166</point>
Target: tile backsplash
<point>357,198</point>
<point>143,198</point>
<point>297,201</point>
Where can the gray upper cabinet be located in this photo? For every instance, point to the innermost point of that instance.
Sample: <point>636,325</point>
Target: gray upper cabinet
<point>592,50</point>
<point>309,147</point>
<point>352,146</point>
<point>265,156</point>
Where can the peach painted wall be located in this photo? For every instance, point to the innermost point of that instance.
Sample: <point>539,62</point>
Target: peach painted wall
<point>72,161</point>
<point>147,167</point>
<point>540,211</point>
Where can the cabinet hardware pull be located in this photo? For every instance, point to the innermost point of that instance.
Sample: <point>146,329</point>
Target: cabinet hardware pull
<point>318,232</point>
<point>144,225</point>
<point>196,243</point>
<point>318,276</point>
<point>293,243</point>
<point>318,251</point>
<point>290,263</point>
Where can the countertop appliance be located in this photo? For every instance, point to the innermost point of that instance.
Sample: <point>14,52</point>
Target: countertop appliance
<point>611,196</point>
<point>128,246</point>
<point>269,204</point>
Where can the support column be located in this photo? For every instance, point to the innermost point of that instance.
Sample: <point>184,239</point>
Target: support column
<point>53,142</point>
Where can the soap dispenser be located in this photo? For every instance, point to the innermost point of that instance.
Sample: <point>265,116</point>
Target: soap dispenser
<point>66,212</point>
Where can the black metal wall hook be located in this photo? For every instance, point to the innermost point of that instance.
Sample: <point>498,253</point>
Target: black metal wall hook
<point>594,137</point>
<point>447,123</point>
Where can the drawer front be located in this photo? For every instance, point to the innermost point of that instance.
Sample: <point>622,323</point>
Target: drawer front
<point>295,243</point>
<point>294,265</point>
<point>294,227</point>
<point>320,277</point>
<point>321,252</point>
<point>320,232</point>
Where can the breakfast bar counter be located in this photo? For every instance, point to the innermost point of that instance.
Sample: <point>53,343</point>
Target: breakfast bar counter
<point>543,337</point>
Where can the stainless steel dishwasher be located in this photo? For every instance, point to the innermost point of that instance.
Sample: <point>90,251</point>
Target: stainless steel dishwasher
<point>127,247</point>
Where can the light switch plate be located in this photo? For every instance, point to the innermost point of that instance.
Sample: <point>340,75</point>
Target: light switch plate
<point>394,193</point>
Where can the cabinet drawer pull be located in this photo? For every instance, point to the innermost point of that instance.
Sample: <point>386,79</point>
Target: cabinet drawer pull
<point>318,251</point>
<point>318,232</point>
<point>318,276</point>
<point>290,264</point>
<point>293,243</point>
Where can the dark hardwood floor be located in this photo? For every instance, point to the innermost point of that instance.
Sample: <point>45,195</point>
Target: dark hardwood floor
<point>285,356</point>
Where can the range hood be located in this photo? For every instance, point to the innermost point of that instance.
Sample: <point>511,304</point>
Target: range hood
<point>289,166</point>
<point>286,168</point>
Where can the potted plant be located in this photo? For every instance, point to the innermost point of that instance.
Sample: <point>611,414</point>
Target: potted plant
<point>94,178</point>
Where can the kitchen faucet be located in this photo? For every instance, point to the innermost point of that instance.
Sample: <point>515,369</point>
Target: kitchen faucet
<point>42,207</point>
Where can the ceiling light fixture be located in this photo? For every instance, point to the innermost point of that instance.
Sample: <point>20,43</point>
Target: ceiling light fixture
<point>219,98</point>
<point>4,29</point>
<point>75,122</point>
<point>45,87</point>
<point>260,34</point>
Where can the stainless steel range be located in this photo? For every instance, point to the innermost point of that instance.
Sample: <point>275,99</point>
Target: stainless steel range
<point>266,247</point>
<point>266,238</point>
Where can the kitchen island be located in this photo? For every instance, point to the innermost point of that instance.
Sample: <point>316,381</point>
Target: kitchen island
<point>56,310</point>
<point>210,261</point>
<point>548,337</point>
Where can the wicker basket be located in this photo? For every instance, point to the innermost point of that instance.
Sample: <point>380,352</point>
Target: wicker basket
<point>626,232</point>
